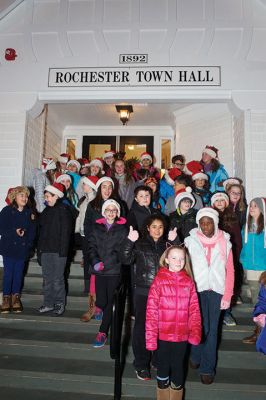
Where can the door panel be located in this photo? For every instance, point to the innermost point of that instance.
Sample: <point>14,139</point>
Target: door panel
<point>94,146</point>
<point>134,146</point>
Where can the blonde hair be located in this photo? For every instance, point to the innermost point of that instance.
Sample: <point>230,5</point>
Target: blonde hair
<point>15,191</point>
<point>187,266</point>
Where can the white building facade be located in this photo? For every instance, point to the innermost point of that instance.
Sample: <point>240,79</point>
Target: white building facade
<point>204,58</point>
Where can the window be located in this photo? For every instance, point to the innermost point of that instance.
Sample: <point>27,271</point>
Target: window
<point>71,148</point>
<point>165,153</point>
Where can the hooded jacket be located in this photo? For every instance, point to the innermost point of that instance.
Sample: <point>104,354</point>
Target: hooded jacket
<point>173,312</point>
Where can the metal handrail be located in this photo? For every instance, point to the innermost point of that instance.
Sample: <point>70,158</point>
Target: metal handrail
<point>118,311</point>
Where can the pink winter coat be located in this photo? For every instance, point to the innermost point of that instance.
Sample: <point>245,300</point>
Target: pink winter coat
<point>173,312</point>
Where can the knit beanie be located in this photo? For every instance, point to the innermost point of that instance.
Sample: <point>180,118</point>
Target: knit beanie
<point>112,203</point>
<point>208,212</point>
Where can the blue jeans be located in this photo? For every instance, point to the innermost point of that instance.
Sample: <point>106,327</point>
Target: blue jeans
<point>205,354</point>
<point>13,275</point>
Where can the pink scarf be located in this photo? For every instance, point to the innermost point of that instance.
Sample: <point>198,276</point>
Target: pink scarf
<point>209,243</point>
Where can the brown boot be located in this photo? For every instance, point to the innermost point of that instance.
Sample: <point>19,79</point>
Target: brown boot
<point>252,338</point>
<point>16,303</point>
<point>163,394</point>
<point>176,394</point>
<point>87,316</point>
<point>6,305</point>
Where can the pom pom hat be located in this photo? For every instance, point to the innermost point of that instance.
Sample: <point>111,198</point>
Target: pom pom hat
<point>104,179</point>
<point>171,174</point>
<point>47,164</point>
<point>144,156</point>
<point>208,212</point>
<point>64,158</point>
<point>220,196</point>
<point>97,162</point>
<point>90,181</point>
<point>111,202</point>
<point>74,162</point>
<point>108,153</point>
<point>195,169</point>
<point>184,194</point>
<point>56,188</point>
<point>211,150</point>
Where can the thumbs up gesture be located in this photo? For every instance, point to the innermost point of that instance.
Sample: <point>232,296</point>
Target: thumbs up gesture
<point>133,235</point>
<point>172,235</point>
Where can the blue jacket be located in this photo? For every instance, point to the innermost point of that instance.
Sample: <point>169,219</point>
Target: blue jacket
<point>166,190</point>
<point>11,244</point>
<point>216,177</point>
<point>260,306</point>
<point>253,253</point>
<point>75,179</point>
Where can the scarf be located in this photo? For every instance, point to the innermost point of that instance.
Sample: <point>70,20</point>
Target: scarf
<point>209,243</point>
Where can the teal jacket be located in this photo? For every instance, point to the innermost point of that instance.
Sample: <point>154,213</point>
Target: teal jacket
<point>253,253</point>
<point>216,178</point>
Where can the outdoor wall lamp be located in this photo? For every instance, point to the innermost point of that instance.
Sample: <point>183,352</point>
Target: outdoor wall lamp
<point>124,112</point>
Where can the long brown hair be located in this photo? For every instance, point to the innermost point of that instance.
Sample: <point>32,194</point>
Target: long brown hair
<point>242,204</point>
<point>260,223</point>
<point>187,266</point>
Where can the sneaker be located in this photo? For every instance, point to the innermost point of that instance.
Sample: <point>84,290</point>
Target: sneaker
<point>59,309</point>
<point>45,309</point>
<point>229,320</point>
<point>100,340</point>
<point>143,374</point>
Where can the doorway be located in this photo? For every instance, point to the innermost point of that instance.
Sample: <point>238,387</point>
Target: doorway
<point>133,146</point>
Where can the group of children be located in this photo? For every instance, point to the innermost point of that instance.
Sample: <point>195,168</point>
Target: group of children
<point>185,237</point>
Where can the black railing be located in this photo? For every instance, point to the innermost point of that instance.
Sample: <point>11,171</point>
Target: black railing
<point>118,311</point>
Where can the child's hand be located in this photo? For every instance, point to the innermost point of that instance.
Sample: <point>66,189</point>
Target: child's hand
<point>133,235</point>
<point>224,304</point>
<point>99,266</point>
<point>172,235</point>
<point>20,232</point>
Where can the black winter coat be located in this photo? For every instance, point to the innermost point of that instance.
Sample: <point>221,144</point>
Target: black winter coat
<point>104,246</point>
<point>138,214</point>
<point>146,254</point>
<point>183,222</point>
<point>56,225</point>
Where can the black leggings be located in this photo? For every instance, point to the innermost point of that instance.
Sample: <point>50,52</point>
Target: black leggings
<point>170,358</point>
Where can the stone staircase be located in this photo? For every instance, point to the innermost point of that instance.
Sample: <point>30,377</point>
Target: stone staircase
<point>52,358</point>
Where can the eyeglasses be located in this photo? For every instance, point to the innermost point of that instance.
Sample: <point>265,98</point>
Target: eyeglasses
<point>111,211</point>
<point>179,163</point>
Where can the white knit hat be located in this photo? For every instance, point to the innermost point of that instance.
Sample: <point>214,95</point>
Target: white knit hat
<point>55,188</point>
<point>184,194</point>
<point>104,179</point>
<point>220,196</point>
<point>75,162</point>
<point>208,212</point>
<point>63,177</point>
<point>112,203</point>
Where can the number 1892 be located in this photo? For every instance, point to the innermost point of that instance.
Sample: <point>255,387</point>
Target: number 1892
<point>133,58</point>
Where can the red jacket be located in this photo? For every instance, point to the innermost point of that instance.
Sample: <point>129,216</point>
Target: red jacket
<point>173,312</point>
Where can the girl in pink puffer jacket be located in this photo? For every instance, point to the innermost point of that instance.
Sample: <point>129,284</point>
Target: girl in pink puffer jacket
<point>172,320</point>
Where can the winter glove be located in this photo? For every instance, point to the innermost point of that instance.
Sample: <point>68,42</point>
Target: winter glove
<point>133,235</point>
<point>98,267</point>
<point>172,235</point>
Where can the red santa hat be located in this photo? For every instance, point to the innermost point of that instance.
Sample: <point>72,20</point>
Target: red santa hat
<point>184,194</point>
<point>171,174</point>
<point>63,177</point>
<point>195,169</point>
<point>104,179</point>
<point>74,162</point>
<point>64,158</point>
<point>220,196</point>
<point>47,164</point>
<point>83,162</point>
<point>90,181</point>
<point>7,199</point>
<point>108,153</point>
<point>97,162</point>
<point>56,188</point>
<point>144,156</point>
<point>211,150</point>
